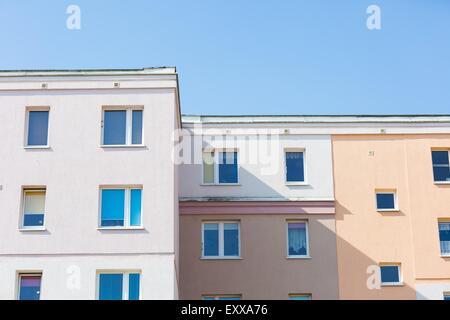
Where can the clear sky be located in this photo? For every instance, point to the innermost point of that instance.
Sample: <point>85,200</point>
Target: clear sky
<point>251,56</point>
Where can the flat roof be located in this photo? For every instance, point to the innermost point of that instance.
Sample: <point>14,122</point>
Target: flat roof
<point>87,72</point>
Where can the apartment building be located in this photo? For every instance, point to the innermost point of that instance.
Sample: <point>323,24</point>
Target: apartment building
<point>257,213</point>
<point>88,188</point>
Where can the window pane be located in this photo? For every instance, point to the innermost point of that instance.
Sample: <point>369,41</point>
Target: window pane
<point>34,208</point>
<point>208,298</point>
<point>114,127</point>
<point>297,239</point>
<point>389,274</point>
<point>228,170</point>
<point>113,207</point>
<point>133,285</point>
<point>444,237</point>
<point>385,201</point>
<point>208,167</point>
<point>136,137</point>
<point>211,239</point>
<point>111,286</point>
<point>446,296</point>
<point>441,170</point>
<point>300,297</point>
<point>30,287</point>
<point>229,298</point>
<point>37,128</point>
<point>231,239</point>
<point>135,207</point>
<point>294,167</point>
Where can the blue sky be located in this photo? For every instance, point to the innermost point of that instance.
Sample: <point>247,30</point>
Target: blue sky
<point>251,56</point>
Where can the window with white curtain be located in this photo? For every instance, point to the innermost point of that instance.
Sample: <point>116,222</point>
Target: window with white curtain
<point>297,239</point>
<point>444,238</point>
<point>33,209</point>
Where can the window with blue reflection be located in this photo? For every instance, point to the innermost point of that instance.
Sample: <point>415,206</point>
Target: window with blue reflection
<point>135,207</point>
<point>136,137</point>
<point>444,237</point>
<point>30,287</point>
<point>210,239</point>
<point>390,274</point>
<point>229,298</point>
<point>294,167</point>
<point>37,128</point>
<point>297,239</point>
<point>300,297</point>
<point>113,207</point>
<point>231,239</point>
<point>33,208</point>
<point>441,167</point>
<point>114,127</point>
<point>447,296</point>
<point>111,286</point>
<point>385,201</point>
<point>133,286</point>
<point>228,168</point>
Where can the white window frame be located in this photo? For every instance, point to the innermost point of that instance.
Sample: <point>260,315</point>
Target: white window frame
<point>221,240</point>
<point>447,221</point>
<point>307,256</point>
<point>293,295</point>
<point>432,166</point>
<point>125,285</point>
<point>128,126</point>
<point>21,274</point>
<point>27,124</point>
<point>127,208</point>
<point>387,191</point>
<point>305,175</point>
<point>218,296</point>
<point>216,167</point>
<point>400,276</point>
<point>25,190</point>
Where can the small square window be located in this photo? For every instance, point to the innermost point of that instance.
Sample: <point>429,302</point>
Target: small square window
<point>447,296</point>
<point>300,297</point>
<point>441,166</point>
<point>121,207</point>
<point>122,127</point>
<point>444,238</point>
<point>386,201</point>
<point>297,239</point>
<point>295,171</point>
<point>390,274</point>
<point>118,286</point>
<point>220,239</point>
<point>33,208</point>
<point>220,167</point>
<point>30,286</point>
<point>37,128</point>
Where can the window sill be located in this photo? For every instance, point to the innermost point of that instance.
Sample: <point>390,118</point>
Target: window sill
<point>32,229</point>
<point>296,183</point>
<point>120,228</point>
<point>445,255</point>
<point>394,284</point>
<point>388,210</point>
<point>118,146</point>
<point>36,147</point>
<point>219,184</point>
<point>441,182</point>
<point>220,258</point>
<point>298,257</point>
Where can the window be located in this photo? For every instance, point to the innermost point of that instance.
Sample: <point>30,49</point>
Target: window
<point>295,171</point>
<point>121,207</point>
<point>37,129</point>
<point>30,286</point>
<point>447,296</point>
<point>222,297</point>
<point>441,169</point>
<point>221,240</point>
<point>390,274</point>
<point>122,126</point>
<point>119,286</point>
<point>220,167</point>
<point>297,239</point>
<point>444,238</point>
<point>386,201</point>
<point>300,297</point>
<point>33,209</point>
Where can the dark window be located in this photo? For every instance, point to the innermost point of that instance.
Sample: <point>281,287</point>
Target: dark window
<point>441,170</point>
<point>37,128</point>
<point>385,201</point>
<point>390,274</point>
<point>294,167</point>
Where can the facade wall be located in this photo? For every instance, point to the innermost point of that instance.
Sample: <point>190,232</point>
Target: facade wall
<point>74,167</point>
<point>408,236</point>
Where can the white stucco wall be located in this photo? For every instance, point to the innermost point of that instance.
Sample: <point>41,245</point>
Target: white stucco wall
<point>432,291</point>
<point>74,168</point>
